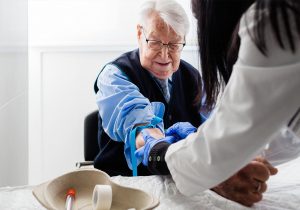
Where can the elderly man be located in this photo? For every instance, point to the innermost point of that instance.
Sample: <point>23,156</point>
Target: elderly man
<point>151,89</point>
<point>143,86</point>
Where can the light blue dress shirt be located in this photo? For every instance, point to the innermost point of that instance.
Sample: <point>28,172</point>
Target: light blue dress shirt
<point>122,106</point>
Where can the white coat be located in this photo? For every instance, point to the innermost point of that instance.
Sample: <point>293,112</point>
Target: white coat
<point>262,95</point>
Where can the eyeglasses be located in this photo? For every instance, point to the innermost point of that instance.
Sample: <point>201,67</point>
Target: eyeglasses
<point>158,45</point>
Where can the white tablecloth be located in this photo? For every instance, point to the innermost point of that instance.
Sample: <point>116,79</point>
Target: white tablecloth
<point>283,193</point>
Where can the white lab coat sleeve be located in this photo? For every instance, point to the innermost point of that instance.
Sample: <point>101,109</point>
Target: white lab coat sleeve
<point>257,101</point>
<point>284,146</point>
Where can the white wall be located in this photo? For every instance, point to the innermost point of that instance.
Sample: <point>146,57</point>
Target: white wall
<point>88,22</point>
<point>70,40</point>
<point>13,93</point>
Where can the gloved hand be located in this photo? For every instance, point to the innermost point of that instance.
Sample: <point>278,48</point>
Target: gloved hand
<point>144,151</point>
<point>180,130</point>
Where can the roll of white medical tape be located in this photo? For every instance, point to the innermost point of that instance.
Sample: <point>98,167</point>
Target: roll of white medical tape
<point>102,197</point>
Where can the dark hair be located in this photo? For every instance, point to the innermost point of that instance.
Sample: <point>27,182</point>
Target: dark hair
<point>218,22</point>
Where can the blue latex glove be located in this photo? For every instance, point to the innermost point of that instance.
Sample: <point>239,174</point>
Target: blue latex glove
<point>180,130</point>
<point>144,151</point>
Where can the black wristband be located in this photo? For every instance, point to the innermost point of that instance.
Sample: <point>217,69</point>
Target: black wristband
<point>156,161</point>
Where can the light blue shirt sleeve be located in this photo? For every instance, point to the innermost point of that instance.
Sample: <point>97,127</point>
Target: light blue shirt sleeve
<point>122,106</point>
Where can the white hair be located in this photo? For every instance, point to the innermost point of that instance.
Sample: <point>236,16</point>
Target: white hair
<point>171,12</point>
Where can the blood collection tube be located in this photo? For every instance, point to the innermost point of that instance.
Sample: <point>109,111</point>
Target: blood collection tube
<point>70,197</point>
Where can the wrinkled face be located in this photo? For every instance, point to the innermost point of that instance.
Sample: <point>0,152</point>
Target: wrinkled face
<point>161,63</point>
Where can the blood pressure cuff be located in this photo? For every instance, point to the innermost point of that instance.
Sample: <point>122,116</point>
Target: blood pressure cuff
<point>156,162</point>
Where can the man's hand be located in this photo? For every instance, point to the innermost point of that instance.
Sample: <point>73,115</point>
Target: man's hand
<point>247,185</point>
<point>144,152</point>
<point>154,132</point>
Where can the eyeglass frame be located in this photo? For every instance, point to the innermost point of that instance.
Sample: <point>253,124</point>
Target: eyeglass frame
<point>163,44</point>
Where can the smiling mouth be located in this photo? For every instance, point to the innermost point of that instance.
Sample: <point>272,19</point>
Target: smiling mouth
<point>163,64</point>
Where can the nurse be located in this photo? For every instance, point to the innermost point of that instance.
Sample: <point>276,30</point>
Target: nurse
<point>151,89</point>
<point>261,96</point>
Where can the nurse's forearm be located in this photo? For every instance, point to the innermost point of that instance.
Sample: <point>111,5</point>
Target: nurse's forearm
<point>251,110</point>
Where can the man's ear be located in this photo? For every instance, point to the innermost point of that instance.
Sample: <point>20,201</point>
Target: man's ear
<point>139,32</point>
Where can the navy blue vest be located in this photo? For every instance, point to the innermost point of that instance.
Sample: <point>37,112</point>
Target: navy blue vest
<point>182,107</point>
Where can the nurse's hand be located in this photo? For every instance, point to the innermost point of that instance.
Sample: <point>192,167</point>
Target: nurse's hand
<point>247,185</point>
<point>180,130</point>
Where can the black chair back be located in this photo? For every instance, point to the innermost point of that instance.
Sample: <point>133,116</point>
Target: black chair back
<point>91,147</point>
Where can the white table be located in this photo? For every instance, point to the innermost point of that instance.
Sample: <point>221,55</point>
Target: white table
<point>283,193</point>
